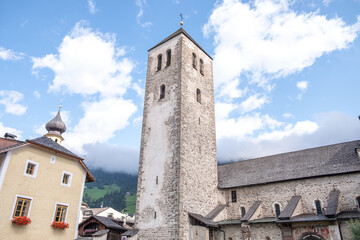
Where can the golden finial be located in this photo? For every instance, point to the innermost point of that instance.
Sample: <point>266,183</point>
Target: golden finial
<point>61,100</point>
<point>181,22</point>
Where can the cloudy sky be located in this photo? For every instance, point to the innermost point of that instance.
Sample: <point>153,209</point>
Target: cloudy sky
<point>286,72</point>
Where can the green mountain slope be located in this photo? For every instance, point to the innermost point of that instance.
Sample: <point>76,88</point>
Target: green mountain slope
<point>116,190</point>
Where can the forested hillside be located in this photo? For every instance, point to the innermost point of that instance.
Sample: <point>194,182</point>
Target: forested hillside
<point>116,190</point>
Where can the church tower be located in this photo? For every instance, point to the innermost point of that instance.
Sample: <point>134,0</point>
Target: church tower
<point>177,168</point>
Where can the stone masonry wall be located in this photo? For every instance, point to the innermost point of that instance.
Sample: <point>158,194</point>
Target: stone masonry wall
<point>198,164</point>
<point>158,180</point>
<point>309,189</point>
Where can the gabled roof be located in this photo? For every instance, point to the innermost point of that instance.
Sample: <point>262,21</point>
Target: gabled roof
<point>251,211</point>
<point>130,233</point>
<point>179,31</point>
<point>50,144</point>
<point>107,222</point>
<point>332,203</point>
<point>315,162</point>
<point>207,222</point>
<point>215,211</point>
<point>47,143</point>
<point>290,208</point>
<point>6,143</point>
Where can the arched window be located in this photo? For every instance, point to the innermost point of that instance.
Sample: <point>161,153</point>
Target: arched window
<point>201,66</point>
<point>168,57</point>
<point>159,62</point>
<point>318,207</point>
<point>198,95</point>
<point>277,209</point>
<point>162,91</point>
<point>267,238</point>
<point>358,201</point>
<point>194,60</point>
<point>243,211</point>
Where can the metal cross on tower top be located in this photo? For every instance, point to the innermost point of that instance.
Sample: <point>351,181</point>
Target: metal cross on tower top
<point>181,18</point>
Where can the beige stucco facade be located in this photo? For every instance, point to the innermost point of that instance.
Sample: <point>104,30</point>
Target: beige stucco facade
<point>45,191</point>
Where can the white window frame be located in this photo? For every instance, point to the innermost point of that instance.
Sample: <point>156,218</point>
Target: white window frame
<point>52,159</point>
<point>35,169</point>
<point>67,211</point>
<point>15,201</point>
<point>69,181</point>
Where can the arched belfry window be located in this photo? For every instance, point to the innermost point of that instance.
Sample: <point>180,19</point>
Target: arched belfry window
<point>168,57</point>
<point>243,211</point>
<point>201,66</point>
<point>277,209</point>
<point>162,91</point>
<point>159,62</point>
<point>198,95</point>
<point>318,207</point>
<point>194,60</point>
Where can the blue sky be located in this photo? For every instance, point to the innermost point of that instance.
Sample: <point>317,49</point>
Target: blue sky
<point>285,72</point>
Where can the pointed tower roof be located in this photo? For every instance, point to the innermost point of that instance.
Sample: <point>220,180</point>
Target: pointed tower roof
<point>180,31</point>
<point>56,126</point>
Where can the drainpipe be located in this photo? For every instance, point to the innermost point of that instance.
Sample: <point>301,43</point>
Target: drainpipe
<point>223,232</point>
<point>339,224</point>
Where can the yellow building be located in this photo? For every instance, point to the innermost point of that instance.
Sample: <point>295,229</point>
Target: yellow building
<point>42,180</point>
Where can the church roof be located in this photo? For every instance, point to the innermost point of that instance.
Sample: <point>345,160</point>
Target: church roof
<point>315,162</point>
<point>181,30</point>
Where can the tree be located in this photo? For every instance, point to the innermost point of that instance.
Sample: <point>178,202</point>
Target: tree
<point>355,230</point>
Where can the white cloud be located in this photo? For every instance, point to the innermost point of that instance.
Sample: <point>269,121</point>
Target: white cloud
<point>253,102</point>
<point>4,129</point>
<point>36,94</point>
<point>100,122</point>
<point>288,115</point>
<point>302,85</point>
<point>141,4</point>
<point>256,43</point>
<point>112,158</point>
<point>8,54</point>
<point>10,100</point>
<point>87,63</point>
<point>265,39</point>
<point>91,6</point>
<point>90,64</point>
<point>324,130</point>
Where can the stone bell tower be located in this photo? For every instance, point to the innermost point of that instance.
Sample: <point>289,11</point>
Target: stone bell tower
<point>178,168</point>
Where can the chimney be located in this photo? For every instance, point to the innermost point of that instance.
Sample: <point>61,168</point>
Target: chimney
<point>10,136</point>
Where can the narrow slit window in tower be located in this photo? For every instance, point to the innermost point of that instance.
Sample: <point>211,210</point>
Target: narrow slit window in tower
<point>198,95</point>
<point>233,196</point>
<point>157,180</point>
<point>159,62</point>
<point>194,60</point>
<point>201,66</point>
<point>243,211</point>
<point>154,214</point>
<point>277,209</point>
<point>318,207</point>
<point>162,91</point>
<point>168,57</point>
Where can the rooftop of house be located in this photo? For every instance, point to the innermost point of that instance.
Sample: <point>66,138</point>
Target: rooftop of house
<point>46,143</point>
<point>315,162</point>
